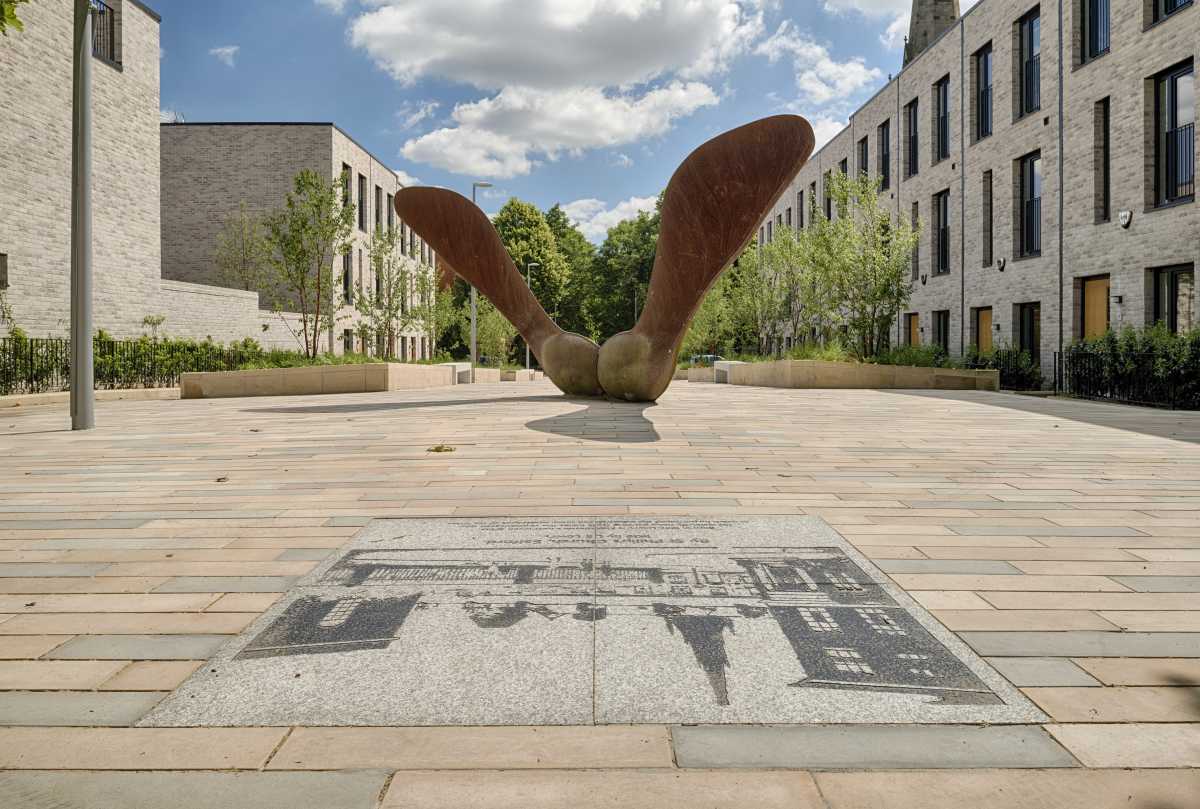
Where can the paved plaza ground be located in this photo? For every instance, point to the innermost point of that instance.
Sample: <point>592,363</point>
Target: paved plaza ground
<point>1042,555</point>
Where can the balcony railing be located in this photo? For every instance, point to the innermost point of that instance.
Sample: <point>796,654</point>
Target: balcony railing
<point>1031,227</point>
<point>1031,88</point>
<point>106,32</point>
<point>1179,163</point>
<point>943,136</point>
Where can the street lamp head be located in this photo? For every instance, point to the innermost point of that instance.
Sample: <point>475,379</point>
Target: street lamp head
<point>481,184</point>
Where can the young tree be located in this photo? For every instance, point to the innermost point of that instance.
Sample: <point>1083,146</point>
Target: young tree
<point>494,333</point>
<point>710,330</point>
<point>757,287</point>
<point>313,227</point>
<point>242,254</point>
<point>579,255</point>
<point>395,303</point>
<point>529,241</point>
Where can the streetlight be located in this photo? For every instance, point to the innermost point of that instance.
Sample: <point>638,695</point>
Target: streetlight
<point>474,305</point>
<point>83,416</point>
<point>529,265</point>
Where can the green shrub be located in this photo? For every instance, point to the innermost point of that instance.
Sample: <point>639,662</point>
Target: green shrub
<point>922,356</point>
<point>1017,369</point>
<point>1148,366</point>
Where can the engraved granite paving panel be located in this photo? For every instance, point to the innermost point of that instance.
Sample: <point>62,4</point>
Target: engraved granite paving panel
<point>580,621</point>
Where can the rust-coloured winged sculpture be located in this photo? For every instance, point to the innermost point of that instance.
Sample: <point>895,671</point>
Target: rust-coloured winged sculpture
<point>710,211</point>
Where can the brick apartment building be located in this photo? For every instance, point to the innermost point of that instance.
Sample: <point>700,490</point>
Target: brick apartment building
<point>1048,151</point>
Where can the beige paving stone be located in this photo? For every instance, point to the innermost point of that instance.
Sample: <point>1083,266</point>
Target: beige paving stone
<point>484,748</point>
<point>56,675</point>
<point>50,584</point>
<point>148,603</point>
<point>151,675</point>
<point>28,647</point>
<point>208,569</point>
<point>1142,670</point>
<point>1119,704</point>
<point>1093,601</point>
<point>196,555</point>
<point>1010,789</point>
<point>949,600</point>
<point>244,602</point>
<point>1111,568</point>
<point>892,552</point>
<point>137,748</point>
<point>1169,554</point>
<point>1132,745</point>
<point>1016,554</point>
<point>957,581</point>
<point>1021,620</point>
<point>590,789</point>
<point>1151,621</point>
<point>129,623</point>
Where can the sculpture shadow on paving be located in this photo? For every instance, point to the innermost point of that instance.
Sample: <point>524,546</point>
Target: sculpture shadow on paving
<point>599,420</point>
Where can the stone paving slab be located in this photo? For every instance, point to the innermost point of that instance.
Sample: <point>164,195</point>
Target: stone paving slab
<point>1042,671</point>
<point>139,647</point>
<point>1130,745</point>
<point>1083,644</point>
<point>195,790</point>
<point>604,621</point>
<point>227,584</point>
<point>62,748</point>
<point>830,747</point>
<point>1161,584</point>
<point>611,789</point>
<point>76,708</point>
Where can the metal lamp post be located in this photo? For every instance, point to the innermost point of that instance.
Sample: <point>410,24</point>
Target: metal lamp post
<point>528,270</point>
<point>83,412</point>
<point>474,305</point>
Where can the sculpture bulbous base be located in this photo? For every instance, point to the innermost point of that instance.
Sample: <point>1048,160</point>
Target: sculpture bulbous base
<point>570,361</point>
<point>633,368</point>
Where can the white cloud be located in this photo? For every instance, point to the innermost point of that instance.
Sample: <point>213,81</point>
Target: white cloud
<point>825,128</point>
<point>405,178</point>
<point>412,113</point>
<point>170,117</point>
<point>226,54</point>
<point>875,9</point>
<point>897,30</point>
<point>819,77</point>
<point>508,134</point>
<point>621,160</point>
<point>336,6</point>
<point>593,217</point>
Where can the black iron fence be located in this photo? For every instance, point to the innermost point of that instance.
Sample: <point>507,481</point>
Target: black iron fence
<point>106,32</point>
<point>41,365</point>
<point>1144,378</point>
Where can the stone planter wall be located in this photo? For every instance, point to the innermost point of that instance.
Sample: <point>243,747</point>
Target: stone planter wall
<point>818,374</point>
<point>378,376</point>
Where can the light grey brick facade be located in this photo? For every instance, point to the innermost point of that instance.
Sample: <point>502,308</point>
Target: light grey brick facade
<point>1075,242</point>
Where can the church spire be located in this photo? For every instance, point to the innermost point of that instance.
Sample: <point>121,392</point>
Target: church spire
<point>928,20</point>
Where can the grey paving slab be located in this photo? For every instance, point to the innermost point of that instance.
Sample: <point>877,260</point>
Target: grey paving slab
<point>1161,584</point>
<point>80,708</point>
<point>945,566</point>
<point>227,584</point>
<point>20,570</point>
<point>192,790</point>
<point>581,621</point>
<point>831,747</point>
<point>139,647</point>
<point>1042,671</point>
<point>1083,644</point>
<point>303,554</point>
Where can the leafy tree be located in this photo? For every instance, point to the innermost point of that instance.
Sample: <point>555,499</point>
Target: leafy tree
<point>395,303</point>
<point>579,255</point>
<point>313,227</point>
<point>528,239</point>
<point>621,274</point>
<point>153,323</point>
<point>759,295</point>
<point>493,332</point>
<point>8,16</point>
<point>242,254</point>
<point>711,329</point>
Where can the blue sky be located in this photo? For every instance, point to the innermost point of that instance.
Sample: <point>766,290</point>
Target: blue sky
<point>588,103</point>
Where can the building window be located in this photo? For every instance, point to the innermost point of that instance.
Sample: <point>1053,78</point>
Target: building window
<point>941,330</point>
<point>864,157</point>
<point>828,196</point>
<point>1029,36</point>
<point>346,198</point>
<point>770,232</point>
<point>941,119</point>
<point>800,210</point>
<point>1175,139</point>
<point>983,92</point>
<point>916,256</point>
<point>787,218</point>
<point>987,220</point>
<point>1175,298</point>
<point>941,233</point>
<point>911,152</point>
<point>3,271</point>
<point>981,323</point>
<point>912,329</point>
<point>362,202</point>
<point>347,276</point>
<point>762,238</point>
<point>1029,330</point>
<point>1165,8</point>
<point>1102,159</point>
<point>378,208</point>
<point>812,199</point>
<point>391,212</point>
<point>778,222</point>
<point>106,33</point>
<point>885,154</point>
<point>1030,219</point>
<point>843,166</point>
<point>1094,308</point>
<point>1093,28</point>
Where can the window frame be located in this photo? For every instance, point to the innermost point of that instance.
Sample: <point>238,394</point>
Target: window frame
<point>884,133</point>
<point>1094,41</point>
<point>1027,248</point>
<point>362,202</point>
<point>1172,273</point>
<point>1029,98</point>
<point>940,254</point>
<point>1166,95</point>
<point>864,155</point>
<point>1102,176</point>
<point>983,92</point>
<point>941,329</point>
<point>988,218</point>
<point>941,119</point>
<point>912,126</point>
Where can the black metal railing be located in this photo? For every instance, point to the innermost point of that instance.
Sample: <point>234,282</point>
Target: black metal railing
<point>41,365</point>
<point>983,123</point>
<point>1018,369</point>
<point>943,135</point>
<point>1031,88</point>
<point>1145,378</point>
<point>1031,227</point>
<point>1179,158</point>
<point>106,32</point>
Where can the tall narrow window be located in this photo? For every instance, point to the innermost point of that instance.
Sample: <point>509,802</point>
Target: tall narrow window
<point>1165,8</point>
<point>362,202</point>
<point>941,119</point>
<point>916,256</point>
<point>1029,330</point>
<point>986,236</point>
<point>378,208</point>
<point>391,212</point>
<point>941,330</point>
<point>812,199</point>
<point>843,166</point>
<point>787,218</point>
<point>828,196</point>
<point>800,210</point>
<point>983,92</point>
<point>1102,159</point>
<point>346,198</point>
<point>1029,32</point>
<point>347,276</point>
<point>1175,298</point>
<point>885,154</point>
<point>1175,136</point>
<point>1030,215</point>
<point>1093,20</point>
<point>941,233</point>
<point>911,129</point>
<point>770,232</point>
<point>106,32</point>
<point>864,157</point>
